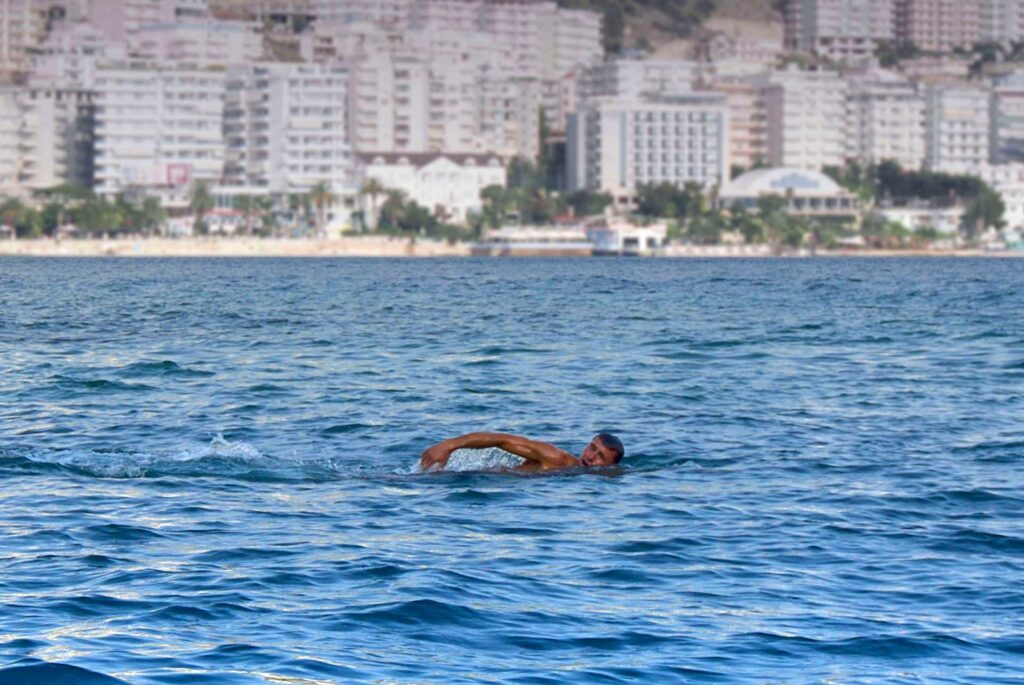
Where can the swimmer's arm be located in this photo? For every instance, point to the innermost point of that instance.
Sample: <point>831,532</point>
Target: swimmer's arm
<point>547,455</point>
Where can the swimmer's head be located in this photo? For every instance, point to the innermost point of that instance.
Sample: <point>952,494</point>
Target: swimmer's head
<point>604,450</point>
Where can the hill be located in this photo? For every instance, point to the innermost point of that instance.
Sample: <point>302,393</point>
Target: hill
<point>650,24</point>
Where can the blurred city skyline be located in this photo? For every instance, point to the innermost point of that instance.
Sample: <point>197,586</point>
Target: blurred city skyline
<point>345,104</point>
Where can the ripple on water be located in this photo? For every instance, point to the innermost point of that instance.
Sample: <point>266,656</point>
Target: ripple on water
<point>210,472</point>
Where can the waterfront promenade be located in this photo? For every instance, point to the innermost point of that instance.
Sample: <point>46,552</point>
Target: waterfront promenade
<point>383,246</point>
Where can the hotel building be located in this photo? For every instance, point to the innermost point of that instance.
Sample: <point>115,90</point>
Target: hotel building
<point>615,145</point>
<point>839,29</point>
<point>285,128</point>
<point>886,120</point>
<point>806,117</point>
<point>958,120</point>
<point>157,127</point>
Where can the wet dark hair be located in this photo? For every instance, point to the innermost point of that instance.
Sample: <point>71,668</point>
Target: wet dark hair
<point>613,443</point>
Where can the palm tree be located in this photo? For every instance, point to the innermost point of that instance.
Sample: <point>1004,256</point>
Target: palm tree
<point>265,207</point>
<point>200,202</point>
<point>246,204</point>
<point>153,214</point>
<point>321,196</point>
<point>394,209</point>
<point>373,188</point>
<point>298,203</point>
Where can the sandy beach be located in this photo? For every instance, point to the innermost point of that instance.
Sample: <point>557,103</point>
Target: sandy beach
<point>379,246</point>
<point>354,246</point>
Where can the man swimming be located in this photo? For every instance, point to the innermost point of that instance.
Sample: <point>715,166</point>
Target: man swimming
<point>604,450</point>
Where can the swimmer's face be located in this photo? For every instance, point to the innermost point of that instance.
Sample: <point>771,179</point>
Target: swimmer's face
<point>597,454</point>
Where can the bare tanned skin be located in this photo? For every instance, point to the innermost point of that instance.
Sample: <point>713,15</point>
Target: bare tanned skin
<point>539,456</point>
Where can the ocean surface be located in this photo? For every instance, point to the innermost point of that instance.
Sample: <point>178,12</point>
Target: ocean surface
<point>208,471</point>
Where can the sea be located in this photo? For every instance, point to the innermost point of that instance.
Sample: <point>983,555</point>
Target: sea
<point>209,471</point>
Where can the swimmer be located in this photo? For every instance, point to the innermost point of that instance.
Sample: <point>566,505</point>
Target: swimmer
<point>604,450</point>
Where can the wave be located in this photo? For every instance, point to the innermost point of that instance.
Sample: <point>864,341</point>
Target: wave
<point>226,459</point>
<point>42,673</point>
<point>220,458</point>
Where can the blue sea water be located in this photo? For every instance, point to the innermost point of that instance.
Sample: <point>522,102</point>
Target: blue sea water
<point>207,471</point>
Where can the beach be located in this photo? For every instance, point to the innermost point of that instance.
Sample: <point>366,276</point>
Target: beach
<point>385,246</point>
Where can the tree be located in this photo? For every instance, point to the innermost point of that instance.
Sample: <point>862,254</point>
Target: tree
<point>706,229</point>
<point>750,225</point>
<point>268,217</point>
<point>25,221</point>
<point>99,215</point>
<point>322,197</point>
<point>300,206</point>
<point>247,206</point>
<point>497,201</point>
<point>668,201</point>
<point>200,202</point>
<point>392,212</point>
<point>589,203</point>
<point>373,188</point>
<point>984,211</point>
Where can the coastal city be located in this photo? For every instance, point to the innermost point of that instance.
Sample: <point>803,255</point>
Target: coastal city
<point>511,127</point>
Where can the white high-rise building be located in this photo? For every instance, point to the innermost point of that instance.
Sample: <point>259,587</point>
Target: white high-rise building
<point>285,128</point>
<point>636,78</point>
<point>439,91</point>
<point>1001,21</point>
<point>22,26</point>
<point>840,29</point>
<point>157,127</point>
<point>56,140</point>
<point>615,145</point>
<point>1007,110</point>
<point>395,14</point>
<point>806,113</point>
<point>69,55</point>
<point>748,119</point>
<point>11,130</point>
<point>958,125</point>
<point>886,120</point>
<point>938,25</point>
<point>202,43</point>
<point>577,40</point>
<point>121,20</point>
<point>45,139</point>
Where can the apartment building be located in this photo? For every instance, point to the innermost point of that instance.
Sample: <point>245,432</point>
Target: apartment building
<point>885,119</point>
<point>69,55</point>
<point>840,29</point>
<point>958,121</point>
<point>1007,111</point>
<point>57,137</point>
<point>285,128</point>
<point>636,78</point>
<point>748,119</point>
<point>158,127</point>
<point>1001,21</point>
<point>577,37</point>
<point>45,139</point>
<point>11,125</point>
<point>22,26</point>
<point>806,118</point>
<point>615,145</point>
<point>203,43</point>
<point>938,25</point>
<point>121,20</point>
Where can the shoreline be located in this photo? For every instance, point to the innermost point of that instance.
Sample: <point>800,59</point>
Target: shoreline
<point>382,246</point>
